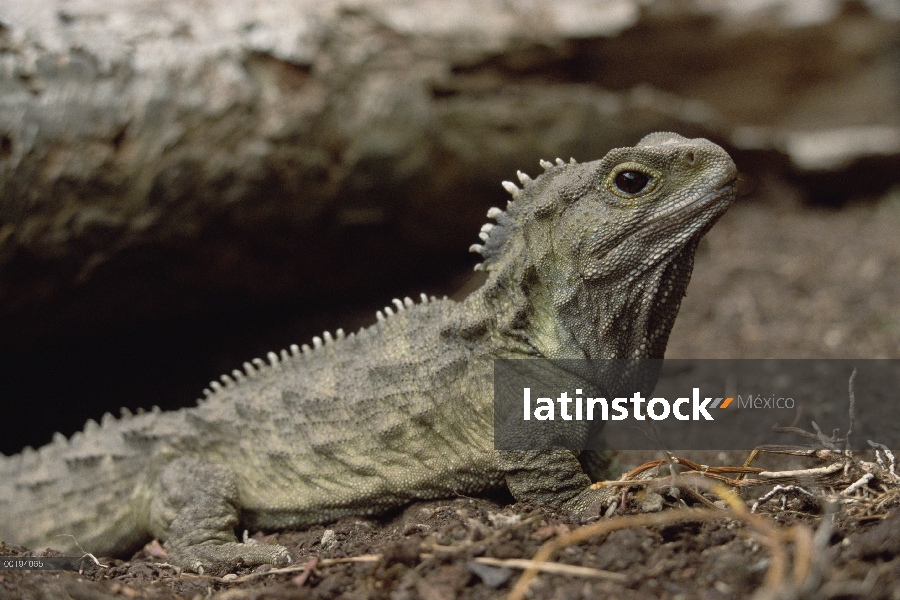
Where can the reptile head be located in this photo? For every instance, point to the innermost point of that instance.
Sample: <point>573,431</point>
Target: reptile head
<point>599,254</point>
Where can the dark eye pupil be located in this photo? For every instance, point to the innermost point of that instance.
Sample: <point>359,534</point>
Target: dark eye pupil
<point>631,182</point>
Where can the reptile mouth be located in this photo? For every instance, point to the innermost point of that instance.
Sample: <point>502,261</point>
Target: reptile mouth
<point>701,200</point>
<point>643,228</point>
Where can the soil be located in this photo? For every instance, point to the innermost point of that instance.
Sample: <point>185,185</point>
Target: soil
<point>429,551</point>
<point>776,278</point>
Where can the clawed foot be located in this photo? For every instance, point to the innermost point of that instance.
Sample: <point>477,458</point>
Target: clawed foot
<point>211,557</point>
<point>591,502</point>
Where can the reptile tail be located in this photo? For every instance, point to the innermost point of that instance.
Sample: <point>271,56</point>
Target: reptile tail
<point>73,494</point>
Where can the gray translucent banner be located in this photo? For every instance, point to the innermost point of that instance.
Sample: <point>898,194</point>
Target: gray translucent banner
<point>46,563</point>
<point>694,404</point>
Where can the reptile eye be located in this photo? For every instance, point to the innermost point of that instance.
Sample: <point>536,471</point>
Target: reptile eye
<point>631,182</point>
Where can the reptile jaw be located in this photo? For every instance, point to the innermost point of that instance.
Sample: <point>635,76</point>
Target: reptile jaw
<point>702,199</point>
<point>623,238</point>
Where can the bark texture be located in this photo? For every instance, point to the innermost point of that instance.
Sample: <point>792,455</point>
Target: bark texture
<point>161,157</point>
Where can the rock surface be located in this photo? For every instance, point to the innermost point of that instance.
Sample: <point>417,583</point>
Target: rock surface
<point>160,158</point>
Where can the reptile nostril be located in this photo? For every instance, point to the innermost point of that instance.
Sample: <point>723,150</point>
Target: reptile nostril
<point>689,158</point>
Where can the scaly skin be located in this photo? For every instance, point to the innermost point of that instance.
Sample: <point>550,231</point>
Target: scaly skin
<point>402,410</point>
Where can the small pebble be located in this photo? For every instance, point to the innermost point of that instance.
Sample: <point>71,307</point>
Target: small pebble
<point>328,539</point>
<point>652,503</point>
<point>491,576</point>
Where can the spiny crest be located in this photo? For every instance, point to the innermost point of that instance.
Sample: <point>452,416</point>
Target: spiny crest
<point>91,427</point>
<point>494,236</point>
<point>257,366</point>
<point>401,305</point>
<point>105,440</point>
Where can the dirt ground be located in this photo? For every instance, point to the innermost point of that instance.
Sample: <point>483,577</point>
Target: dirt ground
<point>776,278</point>
<point>439,550</point>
